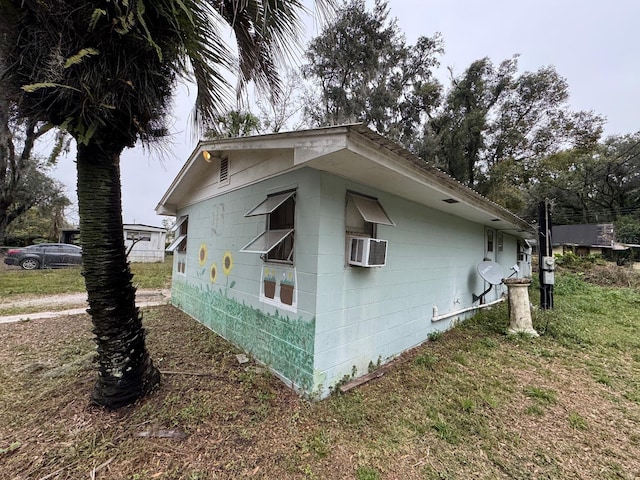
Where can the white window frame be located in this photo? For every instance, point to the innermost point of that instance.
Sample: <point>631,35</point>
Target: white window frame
<point>138,236</point>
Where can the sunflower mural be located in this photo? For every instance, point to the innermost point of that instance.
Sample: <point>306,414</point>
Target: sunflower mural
<point>227,263</point>
<point>213,272</point>
<point>202,254</point>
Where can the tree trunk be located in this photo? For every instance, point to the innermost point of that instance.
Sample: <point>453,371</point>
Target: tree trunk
<point>125,369</point>
<point>3,226</point>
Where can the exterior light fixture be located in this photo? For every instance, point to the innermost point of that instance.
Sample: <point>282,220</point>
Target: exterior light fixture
<point>207,156</point>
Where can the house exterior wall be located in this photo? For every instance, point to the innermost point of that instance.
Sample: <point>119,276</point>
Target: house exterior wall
<point>366,316</point>
<point>231,298</point>
<point>146,251</point>
<point>340,317</point>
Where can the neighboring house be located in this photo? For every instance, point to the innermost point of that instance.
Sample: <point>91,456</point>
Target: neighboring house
<point>594,239</point>
<point>324,253</point>
<point>148,243</point>
<point>585,239</point>
<point>70,236</point>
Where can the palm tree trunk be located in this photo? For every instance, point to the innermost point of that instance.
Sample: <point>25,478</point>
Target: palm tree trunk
<point>125,369</point>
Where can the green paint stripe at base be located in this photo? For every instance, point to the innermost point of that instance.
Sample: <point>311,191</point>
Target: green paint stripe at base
<point>284,344</point>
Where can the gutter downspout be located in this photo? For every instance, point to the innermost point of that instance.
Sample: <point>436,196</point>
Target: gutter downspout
<point>437,317</point>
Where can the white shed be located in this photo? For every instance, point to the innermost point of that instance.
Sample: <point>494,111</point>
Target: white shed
<point>146,243</point>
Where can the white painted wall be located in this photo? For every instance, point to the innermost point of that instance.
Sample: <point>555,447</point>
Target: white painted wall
<point>146,251</point>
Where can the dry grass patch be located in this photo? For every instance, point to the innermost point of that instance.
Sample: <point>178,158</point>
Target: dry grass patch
<point>473,404</point>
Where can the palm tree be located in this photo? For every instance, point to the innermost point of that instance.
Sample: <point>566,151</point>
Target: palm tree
<point>105,72</point>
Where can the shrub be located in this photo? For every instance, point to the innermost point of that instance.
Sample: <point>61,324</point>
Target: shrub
<point>573,262</point>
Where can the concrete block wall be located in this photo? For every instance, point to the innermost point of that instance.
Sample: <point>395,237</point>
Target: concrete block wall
<point>370,315</point>
<point>349,316</point>
<point>231,305</point>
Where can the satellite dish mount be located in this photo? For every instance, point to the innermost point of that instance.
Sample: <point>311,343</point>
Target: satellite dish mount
<point>491,272</point>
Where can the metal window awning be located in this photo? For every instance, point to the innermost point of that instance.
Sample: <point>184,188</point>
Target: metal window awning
<point>269,204</point>
<point>176,243</point>
<point>371,210</point>
<point>266,241</point>
<point>179,223</point>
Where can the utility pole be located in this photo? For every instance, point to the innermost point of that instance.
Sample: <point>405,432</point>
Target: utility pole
<point>546,262</point>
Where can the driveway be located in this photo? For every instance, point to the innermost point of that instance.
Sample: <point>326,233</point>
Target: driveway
<point>75,304</point>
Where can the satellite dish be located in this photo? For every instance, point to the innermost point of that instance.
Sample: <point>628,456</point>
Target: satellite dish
<point>491,272</point>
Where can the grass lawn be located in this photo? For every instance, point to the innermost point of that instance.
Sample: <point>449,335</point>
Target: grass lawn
<point>472,403</point>
<point>31,288</point>
<point>15,281</point>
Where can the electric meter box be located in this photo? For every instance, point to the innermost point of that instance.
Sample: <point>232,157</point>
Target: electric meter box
<point>548,268</point>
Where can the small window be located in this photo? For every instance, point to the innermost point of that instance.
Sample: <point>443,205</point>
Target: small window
<point>276,242</point>
<point>363,214</point>
<point>179,245</point>
<point>489,241</point>
<point>138,236</point>
<point>500,242</point>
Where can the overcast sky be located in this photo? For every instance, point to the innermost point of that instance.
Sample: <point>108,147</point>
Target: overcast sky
<point>592,43</point>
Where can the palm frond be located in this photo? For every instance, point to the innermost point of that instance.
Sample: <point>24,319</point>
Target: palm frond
<point>61,50</point>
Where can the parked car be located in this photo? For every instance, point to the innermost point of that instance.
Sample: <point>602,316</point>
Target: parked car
<point>44,255</point>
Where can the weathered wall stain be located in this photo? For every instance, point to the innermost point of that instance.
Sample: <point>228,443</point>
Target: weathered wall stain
<point>217,221</point>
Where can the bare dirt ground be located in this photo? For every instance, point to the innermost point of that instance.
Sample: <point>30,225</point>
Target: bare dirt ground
<point>49,306</point>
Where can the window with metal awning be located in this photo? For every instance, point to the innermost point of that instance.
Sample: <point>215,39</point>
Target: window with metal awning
<point>179,246</point>
<point>276,242</point>
<point>180,242</point>
<point>370,209</point>
<point>363,214</point>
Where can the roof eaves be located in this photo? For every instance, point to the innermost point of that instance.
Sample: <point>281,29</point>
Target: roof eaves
<point>465,194</point>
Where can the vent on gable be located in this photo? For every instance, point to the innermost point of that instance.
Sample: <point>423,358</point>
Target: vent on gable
<point>367,252</point>
<point>224,171</point>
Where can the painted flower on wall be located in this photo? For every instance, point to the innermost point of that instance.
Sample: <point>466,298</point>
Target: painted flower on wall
<point>202,254</point>
<point>213,272</point>
<point>269,275</point>
<point>287,279</point>
<point>227,263</point>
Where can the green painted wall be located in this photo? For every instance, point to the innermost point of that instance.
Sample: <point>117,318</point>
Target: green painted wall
<point>223,288</point>
<point>284,344</point>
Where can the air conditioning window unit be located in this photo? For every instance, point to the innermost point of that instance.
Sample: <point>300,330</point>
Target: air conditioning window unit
<point>367,252</point>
